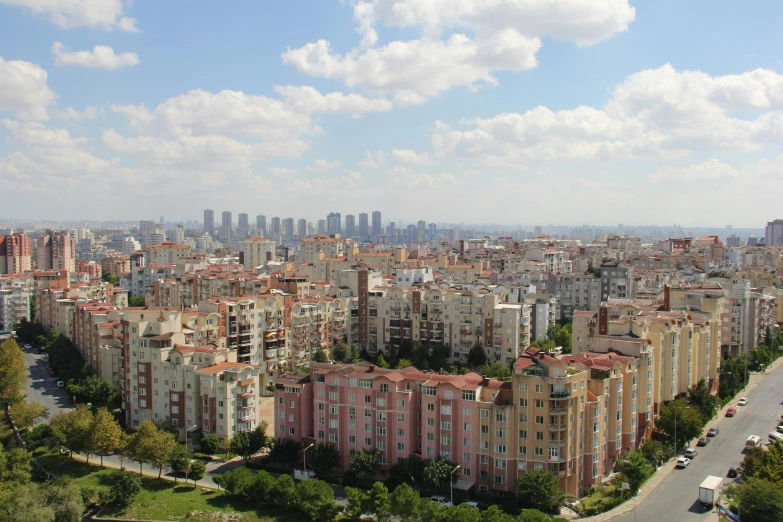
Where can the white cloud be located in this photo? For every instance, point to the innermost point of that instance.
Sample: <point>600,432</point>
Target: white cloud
<point>282,172</point>
<point>418,69</point>
<point>70,114</point>
<point>406,177</point>
<point>24,90</point>
<point>373,161</point>
<point>323,165</point>
<point>407,156</point>
<point>70,14</point>
<point>101,57</point>
<point>660,113</point>
<point>582,21</point>
<point>711,170</point>
<point>309,100</point>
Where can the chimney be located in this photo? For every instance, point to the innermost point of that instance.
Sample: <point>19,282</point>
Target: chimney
<point>371,368</point>
<point>484,380</point>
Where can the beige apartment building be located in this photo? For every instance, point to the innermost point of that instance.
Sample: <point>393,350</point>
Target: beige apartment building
<point>332,247</point>
<point>256,251</point>
<point>167,253</point>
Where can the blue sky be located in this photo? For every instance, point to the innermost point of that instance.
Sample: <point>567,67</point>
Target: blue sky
<point>510,111</point>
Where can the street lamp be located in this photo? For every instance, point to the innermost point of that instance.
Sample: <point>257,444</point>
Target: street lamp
<point>304,457</point>
<point>451,483</point>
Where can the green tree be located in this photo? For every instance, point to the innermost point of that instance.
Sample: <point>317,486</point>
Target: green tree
<point>403,363</point>
<point>323,457</point>
<point>209,444</point>
<point>14,466</point>
<point>246,444</point>
<point>532,515</point>
<point>314,497</point>
<point>365,464</point>
<point>71,430</point>
<point>105,435</point>
<point>495,514</point>
<point>13,372</point>
<point>259,487</point>
<point>408,470</point>
<point>283,493</point>
<point>539,490</point>
<point>432,511</point>
<point>320,356</point>
<point>381,362</point>
<point>405,503</point>
<point>180,459</point>
<point>689,422</point>
<point>339,351</point>
<point>196,471</point>
<point>592,270</point>
<point>477,357</point>
<point>700,398</point>
<point>654,451</point>
<point>356,502</point>
<point>125,486</point>
<point>139,445</point>
<point>26,413</point>
<point>285,451</point>
<point>759,357</point>
<point>463,513</point>
<point>235,482</point>
<point>136,301</point>
<point>379,502</point>
<point>66,500</point>
<point>761,500</point>
<point>635,469</point>
<point>497,371</point>
<point>438,474</point>
<point>111,279</point>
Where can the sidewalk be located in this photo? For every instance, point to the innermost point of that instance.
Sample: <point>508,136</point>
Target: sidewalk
<point>667,468</point>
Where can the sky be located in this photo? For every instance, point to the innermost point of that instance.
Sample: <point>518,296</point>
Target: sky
<point>504,111</point>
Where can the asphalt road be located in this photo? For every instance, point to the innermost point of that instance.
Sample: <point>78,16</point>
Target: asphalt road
<point>41,387</point>
<point>676,498</point>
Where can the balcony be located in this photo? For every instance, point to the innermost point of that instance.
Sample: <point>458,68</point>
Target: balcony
<point>558,410</point>
<point>558,426</point>
<point>559,394</point>
<point>561,442</point>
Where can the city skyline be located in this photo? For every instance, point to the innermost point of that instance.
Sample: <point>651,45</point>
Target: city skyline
<point>501,113</point>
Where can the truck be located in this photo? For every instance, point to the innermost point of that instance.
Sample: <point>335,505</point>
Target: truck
<point>708,491</point>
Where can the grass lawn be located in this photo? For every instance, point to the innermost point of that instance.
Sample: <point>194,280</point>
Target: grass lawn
<point>162,499</point>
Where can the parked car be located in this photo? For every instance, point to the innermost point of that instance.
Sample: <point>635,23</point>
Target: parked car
<point>682,462</point>
<point>713,432</point>
<point>440,500</point>
<point>780,428</point>
<point>27,346</point>
<point>474,504</point>
<point>703,441</point>
<point>732,473</point>
<point>60,384</point>
<point>690,453</point>
<point>742,402</point>
<point>730,412</point>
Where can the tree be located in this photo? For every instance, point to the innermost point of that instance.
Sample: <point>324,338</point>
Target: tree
<point>438,474</point>
<point>365,464</point>
<point>403,363</point>
<point>320,356</point>
<point>14,466</point>
<point>759,357</point>
<point>94,390</point>
<point>197,471</point>
<point>339,351</point>
<point>105,435</point>
<point>635,469</point>
<point>495,514</point>
<point>71,430</point>
<point>180,459</point>
<point>532,515</point>
<point>405,503</point>
<point>497,371</point>
<point>285,451</point>
<point>539,490</point>
<point>283,493</point>
<point>111,279</point>
<point>125,486</point>
<point>139,445</point>
<point>477,357</point>
<point>654,451</point>
<point>356,501</point>
<point>236,481</point>
<point>408,470</point>
<point>761,500</point>
<point>26,413</point>
<point>136,301</point>
<point>406,349</point>
<point>324,457</point>
<point>209,444</point>
<point>689,422</point>
<point>379,502</point>
<point>246,444</point>
<point>592,270</point>
<point>13,372</point>
<point>700,398</point>
<point>313,497</point>
<point>463,513</point>
<point>258,490</point>
<point>381,362</point>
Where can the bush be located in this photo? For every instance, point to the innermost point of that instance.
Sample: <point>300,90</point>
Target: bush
<point>125,486</point>
<point>210,444</point>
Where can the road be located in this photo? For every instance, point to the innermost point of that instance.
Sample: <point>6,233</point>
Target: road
<point>42,388</point>
<point>676,498</point>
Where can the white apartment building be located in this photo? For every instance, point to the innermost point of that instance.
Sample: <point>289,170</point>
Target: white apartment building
<point>256,251</point>
<point>14,303</point>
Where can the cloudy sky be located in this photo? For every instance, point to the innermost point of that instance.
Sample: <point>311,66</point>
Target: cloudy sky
<point>510,111</point>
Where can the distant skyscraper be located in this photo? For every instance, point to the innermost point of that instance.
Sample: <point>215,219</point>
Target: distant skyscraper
<point>537,231</point>
<point>226,219</point>
<point>364,225</point>
<point>422,225</point>
<point>392,231</point>
<point>275,226</point>
<point>162,221</point>
<point>288,227</point>
<point>773,233</point>
<point>376,223</point>
<point>261,225</point>
<point>209,221</point>
<point>243,221</point>
<point>145,227</point>
<point>350,225</point>
<point>322,226</point>
<point>301,228</point>
<point>336,226</point>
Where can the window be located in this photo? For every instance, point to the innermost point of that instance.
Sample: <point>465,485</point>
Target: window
<point>291,431</point>
<point>522,434</point>
<point>484,414</point>
<point>332,437</point>
<point>430,436</point>
<point>468,395</point>
<point>466,442</point>
<point>430,421</point>
<point>523,417</point>
<point>401,403</point>
<point>466,412</point>
<point>539,388</point>
<point>500,464</point>
<point>445,440</point>
<point>485,430</point>
<point>539,419</point>
<point>400,446</point>
<point>539,452</point>
<point>333,410</point>
<point>430,407</point>
<point>500,433</point>
<point>332,395</point>
<point>539,435</point>
<point>320,406</point>
<point>353,381</point>
<point>500,417</point>
<point>352,397</point>
<point>400,432</point>
<point>381,416</point>
<point>523,387</point>
<point>428,390</point>
<point>381,445</point>
<point>332,423</point>
<point>366,383</point>
<point>500,448</point>
<point>400,417</point>
<point>539,403</point>
<point>352,439</point>
<point>445,425</point>
<point>445,410</point>
<point>523,403</point>
<point>367,399</point>
<point>368,442</point>
<point>291,417</point>
<point>485,459</point>
<point>384,387</point>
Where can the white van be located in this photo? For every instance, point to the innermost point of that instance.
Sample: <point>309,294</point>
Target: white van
<point>753,441</point>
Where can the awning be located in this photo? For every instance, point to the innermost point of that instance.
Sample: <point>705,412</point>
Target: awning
<point>271,334</point>
<point>464,484</point>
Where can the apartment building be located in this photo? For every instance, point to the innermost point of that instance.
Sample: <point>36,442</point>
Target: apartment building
<point>617,281</point>
<point>55,306</point>
<point>115,264</point>
<point>332,247</point>
<point>90,269</point>
<point>225,280</point>
<point>15,254</point>
<point>167,253</point>
<point>56,251</point>
<point>139,281</point>
<point>256,251</point>
<point>15,296</point>
<point>577,292</point>
<point>96,333</point>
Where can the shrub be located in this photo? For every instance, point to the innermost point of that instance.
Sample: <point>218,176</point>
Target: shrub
<point>209,444</point>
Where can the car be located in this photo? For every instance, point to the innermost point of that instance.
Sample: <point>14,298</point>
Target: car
<point>730,412</point>
<point>440,500</point>
<point>732,473</point>
<point>780,429</point>
<point>473,504</point>
<point>713,432</point>
<point>690,453</point>
<point>60,384</point>
<point>682,462</point>
<point>703,441</point>
<point>27,346</point>
<point>742,402</point>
